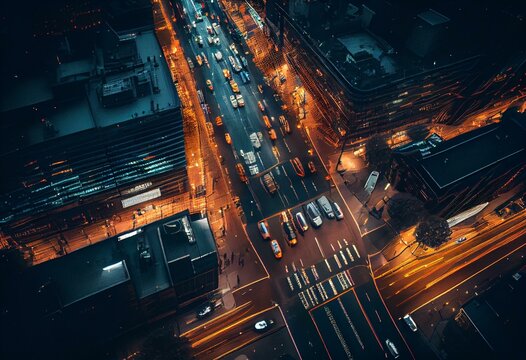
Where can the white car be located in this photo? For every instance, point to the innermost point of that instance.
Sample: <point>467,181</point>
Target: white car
<point>233,101</point>
<point>410,322</point>
<point>218,56</point>
<point>240,100</point>
<point>337,211</point>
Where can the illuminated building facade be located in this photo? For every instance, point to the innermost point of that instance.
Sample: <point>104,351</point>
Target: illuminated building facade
<point>380,66</point>
<point>102,133</point>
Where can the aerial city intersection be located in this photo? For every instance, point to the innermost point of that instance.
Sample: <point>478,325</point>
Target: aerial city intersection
<point>226,179</point>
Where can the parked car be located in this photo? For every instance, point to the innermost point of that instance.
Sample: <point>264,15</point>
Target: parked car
<point>263,230</point>
<point>228,138</point>
<point>263,325</point>
<point>227,74</point>
<point>325,205</point>
<point>314,215</point>
<point>292,239</point>
<point>260,106</point>
<point>276,249</point>
<point>219,121</point>
<point>209,84</point>
<point>301,223</point>
<point>337,211</point>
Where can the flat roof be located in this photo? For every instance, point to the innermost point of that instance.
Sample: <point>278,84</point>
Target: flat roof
<point>499,315</point>
<point>363,42</point>
<point>471,153</point>
<point>85,272</point>
<point>106,264</point>
<point>177,245</point>
<point>433,17</point>
<point>18,93</point>
<point>150,279</point>
<point>165,98</point>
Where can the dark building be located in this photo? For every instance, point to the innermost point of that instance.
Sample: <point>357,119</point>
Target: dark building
<point>95,131</point>
<point>472,168</point>
<point>377,66</point>
<point>492,324</point>
<point>79,302</point>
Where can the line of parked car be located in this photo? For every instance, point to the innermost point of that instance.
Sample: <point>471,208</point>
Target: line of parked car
<point>330,209</point>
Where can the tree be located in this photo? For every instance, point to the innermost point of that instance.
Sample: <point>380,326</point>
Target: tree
<point>163,345</point>
<point>405,212</point>
<point>432,231</point>
<point>377,152</point>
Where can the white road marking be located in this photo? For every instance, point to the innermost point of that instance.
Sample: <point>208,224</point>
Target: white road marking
<point>367,295</point>
<point>379,318</point>
<point>287,146</point>
<point>337,261</point>
<point>286,269</point>
<point>349,253</point>
<point>328,266</point>
<point>355,249</point>
<point>319,247</point>
<point>301,262</point>
<point>293,267</point>
<point>332,247</point>
<point>344,258</point>
<point>339,244</point>
<point>345,241</point>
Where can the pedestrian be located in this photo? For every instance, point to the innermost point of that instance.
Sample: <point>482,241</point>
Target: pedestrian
<point>238,280</point>
<point>243,263</point>
<point>246,249</point>
<point>224,256</point>
<point>220,263</point>
<point>232,257</point>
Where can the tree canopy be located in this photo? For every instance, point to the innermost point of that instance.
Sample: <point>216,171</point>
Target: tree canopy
<point>405,212</point>
<point>432,231</point>
<point>377,152</point>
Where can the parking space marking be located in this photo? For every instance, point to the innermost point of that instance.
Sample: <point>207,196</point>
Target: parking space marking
<point>328,266</point>
<point>355,249</point>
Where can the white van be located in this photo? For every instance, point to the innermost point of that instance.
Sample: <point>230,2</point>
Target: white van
<point>392,348</point>
<point>325,205</point>
<point>314,214</point>
<point>410,322</point>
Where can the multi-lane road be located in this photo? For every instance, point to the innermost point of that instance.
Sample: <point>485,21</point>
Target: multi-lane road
<point>326,274</point>
<point>417,281</point>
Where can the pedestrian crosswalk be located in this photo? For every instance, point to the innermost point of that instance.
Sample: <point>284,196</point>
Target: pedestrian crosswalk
<point>306,281</point>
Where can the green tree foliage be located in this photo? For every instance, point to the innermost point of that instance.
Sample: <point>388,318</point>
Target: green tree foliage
<point>432,232</point>
<point>377,152</point>
<point>405,213</point>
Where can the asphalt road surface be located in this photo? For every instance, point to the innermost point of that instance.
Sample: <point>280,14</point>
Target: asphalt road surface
<point>328,265</point>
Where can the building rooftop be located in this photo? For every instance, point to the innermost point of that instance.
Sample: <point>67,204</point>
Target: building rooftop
<point>83,273</point>
<point>467,155</point>
<point>443,164</point>
<point>499,315</point>
<point>433,17</point>
<point>126,78</point>
<point>101,266</point>
<point>139,92</point>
